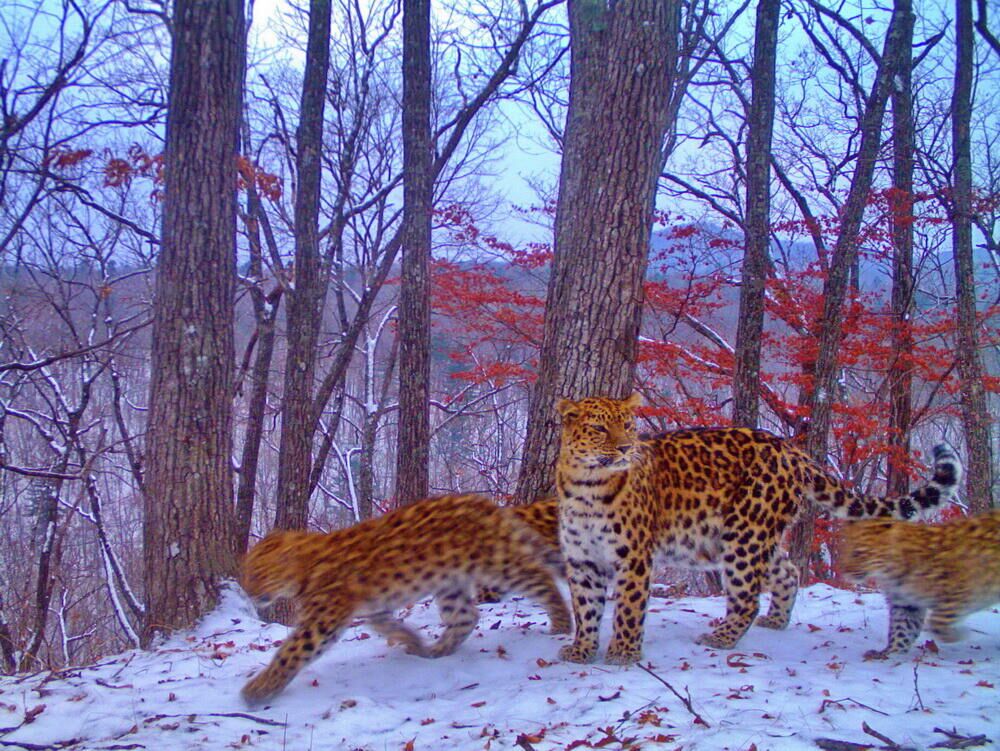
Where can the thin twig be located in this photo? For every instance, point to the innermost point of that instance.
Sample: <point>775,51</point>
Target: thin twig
<point>823,706</point>
<point>832,744</point>
<point>685,700</point>
<point>916,687</point>
<point>242,715</point>
<point>957,740</point>
<point>889,742</point>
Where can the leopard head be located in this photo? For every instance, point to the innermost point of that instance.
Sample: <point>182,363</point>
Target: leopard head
<point>598,433</point>
<point>862,548</point>
<point>274,568</point>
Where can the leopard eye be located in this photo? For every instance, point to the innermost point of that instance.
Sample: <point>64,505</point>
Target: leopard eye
<point>600,428</point>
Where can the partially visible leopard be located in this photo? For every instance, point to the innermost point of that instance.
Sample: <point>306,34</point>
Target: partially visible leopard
<point>447,547</point>
<point>951,569</point>
<point>714,498</point>
<point>542,515</point>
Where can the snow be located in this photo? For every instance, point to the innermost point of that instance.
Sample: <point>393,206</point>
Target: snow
<point>504,688</point>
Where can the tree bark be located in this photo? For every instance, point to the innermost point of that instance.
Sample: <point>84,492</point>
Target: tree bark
<point>975,416</point>
<point>413,448</point>
<point>621,65</point>
<point>188,530</point>
<point>305,301</point>
<point>901,205</point>
<point>757,229</point>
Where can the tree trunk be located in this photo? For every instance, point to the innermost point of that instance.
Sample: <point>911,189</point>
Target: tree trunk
<point>413,454</point>
<point>975,416</point>
<point>305,303</point>
<point>265,313</point>
<point>842,261</point>
<point>622,59</point>
<point>901,205</point>
<point>188,531</point>
<point>757,227</point>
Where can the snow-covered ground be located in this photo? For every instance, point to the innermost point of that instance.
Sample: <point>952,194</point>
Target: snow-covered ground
<point>504,688</point>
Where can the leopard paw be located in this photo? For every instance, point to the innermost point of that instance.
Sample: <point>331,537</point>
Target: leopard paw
<point>773,621</point>
<point>717,641</point>
<point>623,655</point>
<point>573,653</point>
<point>258,690</point>
<point>877,654</point>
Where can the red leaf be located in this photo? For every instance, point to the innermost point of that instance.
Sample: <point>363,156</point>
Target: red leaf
<point>734,660</point>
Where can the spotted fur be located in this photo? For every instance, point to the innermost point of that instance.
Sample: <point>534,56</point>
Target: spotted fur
<point>714,498</point>
<point>951,570</point>
<point>542,516</point>
<point>447,547</point>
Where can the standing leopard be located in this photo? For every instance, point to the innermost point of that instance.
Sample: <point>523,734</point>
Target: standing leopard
<point>447,547</point>
<point>713,498</point>
<point>951,569</point>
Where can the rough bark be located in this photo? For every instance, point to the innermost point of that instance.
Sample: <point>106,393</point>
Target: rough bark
<point>975,415</point>
<point>746,376</point>
<point>900,372</point>
<point>413,447</point>
<point>622,59</point>
<point>188,530</point>
<point>305,301</point>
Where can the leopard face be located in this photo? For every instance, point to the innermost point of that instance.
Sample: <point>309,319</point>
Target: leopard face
<point>598,433</point>
<point>273,569</point>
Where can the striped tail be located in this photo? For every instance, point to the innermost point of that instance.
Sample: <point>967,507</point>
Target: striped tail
<point>850,504</point>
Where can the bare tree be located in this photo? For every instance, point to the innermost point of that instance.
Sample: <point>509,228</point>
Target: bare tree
<point>845,252</point>
<point>900,371</point>
<point>622,60</point>
<point>975,416</point>
<point>189,525</point>
<point>757,229</point>
<point>413,454</point>
<point>305,304</point>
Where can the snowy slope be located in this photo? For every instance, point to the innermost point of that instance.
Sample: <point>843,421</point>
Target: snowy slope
<point>504,688</point>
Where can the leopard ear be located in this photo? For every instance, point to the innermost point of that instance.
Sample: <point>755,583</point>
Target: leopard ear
<point>635,400</point>
<point>567,409</point>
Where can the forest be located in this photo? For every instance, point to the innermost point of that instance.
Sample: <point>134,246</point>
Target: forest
<point>295,265</point>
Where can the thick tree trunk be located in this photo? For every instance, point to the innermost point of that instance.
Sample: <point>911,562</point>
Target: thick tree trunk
<point>622,59</point>
<point>305,303</point>
<point>975,415</point>
<point>900,372</point>
<point>843,259</point>
<point>757,229</point>
<point>413,450</point>
<point>188,531</point>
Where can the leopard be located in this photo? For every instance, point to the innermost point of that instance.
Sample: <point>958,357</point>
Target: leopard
<point>934,572</point>
<point>703,498</point>
<point>446,547</point>
<point>542,515</point>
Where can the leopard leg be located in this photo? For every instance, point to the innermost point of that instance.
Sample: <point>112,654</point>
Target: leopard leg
<point>905,622</point>
<point>490,594</point>
<point>587,587</point>
<point>941,622</point>
<point>784,586</point>
<point>743,576</point>
<point>632,595</point>
<point>459,615</point>
<point>537,583</point>
<point>397,632</point>
<point>320,624</point>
